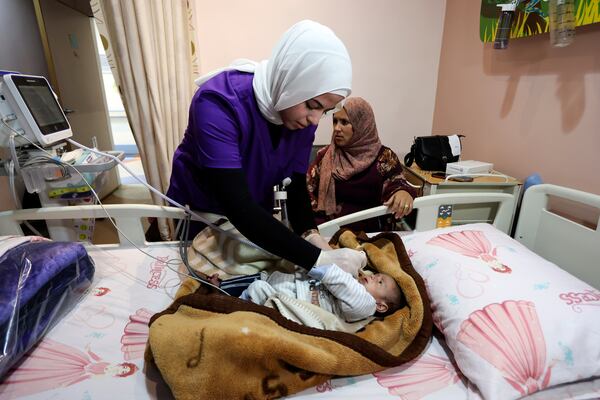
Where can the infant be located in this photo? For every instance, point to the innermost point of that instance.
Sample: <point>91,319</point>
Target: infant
<point>328,287</point>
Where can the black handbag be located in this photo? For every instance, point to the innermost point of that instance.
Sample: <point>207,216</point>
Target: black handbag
<point>431,153</point>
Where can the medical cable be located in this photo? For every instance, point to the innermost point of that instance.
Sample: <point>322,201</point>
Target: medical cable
<point>449,177</point>
<point>168,263</point>
<point>183,243</point>
<point>13,149</point>
<point>183,254</point>
<point>38,160</point>
<point>224,233</point>
<point>169,200</point>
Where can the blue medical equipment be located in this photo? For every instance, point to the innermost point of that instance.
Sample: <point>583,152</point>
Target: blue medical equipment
<point>533,179</point>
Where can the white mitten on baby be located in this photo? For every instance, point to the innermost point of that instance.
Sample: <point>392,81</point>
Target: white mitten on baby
<point>349,260</point>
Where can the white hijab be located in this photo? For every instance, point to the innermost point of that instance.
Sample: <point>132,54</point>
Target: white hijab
<point>308,61</point>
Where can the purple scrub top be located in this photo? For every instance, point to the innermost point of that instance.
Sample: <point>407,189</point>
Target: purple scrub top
<point>227,130</point>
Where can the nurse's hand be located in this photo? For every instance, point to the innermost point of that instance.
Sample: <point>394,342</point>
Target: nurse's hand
<point>315,238</point>
<point>400,203</point>
<point>349,260</point>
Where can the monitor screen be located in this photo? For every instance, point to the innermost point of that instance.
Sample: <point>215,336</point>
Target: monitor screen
<point>41,103</point>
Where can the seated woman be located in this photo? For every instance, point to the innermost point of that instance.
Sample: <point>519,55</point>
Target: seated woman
<point>356,172</point>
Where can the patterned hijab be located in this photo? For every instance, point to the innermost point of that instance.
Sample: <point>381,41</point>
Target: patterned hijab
<point>308,61</point>
<point>342,163</point>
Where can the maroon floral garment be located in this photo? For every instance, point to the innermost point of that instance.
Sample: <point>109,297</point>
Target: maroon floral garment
<point>367,189</point>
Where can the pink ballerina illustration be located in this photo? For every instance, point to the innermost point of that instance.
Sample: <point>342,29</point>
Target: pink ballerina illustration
<point>509,337</point>
<point>53,365</point>
<point>135,334</point>
<point>471,244</point>
<point>418,378</point>
<point>325,387</point>
<point>437,318</point>
<point>100,291</point>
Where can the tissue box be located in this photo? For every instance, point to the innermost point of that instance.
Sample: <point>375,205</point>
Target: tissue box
<point>468,167</point>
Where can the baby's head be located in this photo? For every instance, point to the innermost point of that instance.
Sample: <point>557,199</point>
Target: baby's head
<point>385,290</point>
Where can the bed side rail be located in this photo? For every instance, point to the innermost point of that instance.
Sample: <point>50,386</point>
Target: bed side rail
<point>126,216</point>
<point>570,245</point>
<point>428,210</point>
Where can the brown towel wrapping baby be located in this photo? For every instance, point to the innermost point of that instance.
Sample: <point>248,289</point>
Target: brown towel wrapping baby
<point>211,346</point>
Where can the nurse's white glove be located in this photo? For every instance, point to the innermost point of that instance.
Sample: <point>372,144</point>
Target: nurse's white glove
<point>349,260</point>
<point>317,240</point>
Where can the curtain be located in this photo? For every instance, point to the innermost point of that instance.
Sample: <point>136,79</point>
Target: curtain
<point>150,50</point>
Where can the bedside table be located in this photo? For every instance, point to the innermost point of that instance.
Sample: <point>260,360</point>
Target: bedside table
<point>466,213</point>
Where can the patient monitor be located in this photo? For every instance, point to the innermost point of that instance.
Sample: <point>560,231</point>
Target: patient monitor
<point>29,106</point>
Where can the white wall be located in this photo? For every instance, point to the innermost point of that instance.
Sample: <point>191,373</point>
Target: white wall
<point>20,50</point>
<point>20,44</point>
<point>531,108</point>
<point>394,46</point>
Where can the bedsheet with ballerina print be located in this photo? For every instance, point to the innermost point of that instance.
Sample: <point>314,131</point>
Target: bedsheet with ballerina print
<point>96,351</point>
<point>515,323</point>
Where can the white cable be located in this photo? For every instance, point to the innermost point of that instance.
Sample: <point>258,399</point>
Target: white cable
<point>188,210</point>
<point>150,187</point>
<point>506,177</point>
<point>413,185</point>
<point>168,263</point>
<point>13,149</point>
<point>11,184</point>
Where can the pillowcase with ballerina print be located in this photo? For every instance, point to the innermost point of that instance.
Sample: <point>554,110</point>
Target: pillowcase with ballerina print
<point>516,323</point>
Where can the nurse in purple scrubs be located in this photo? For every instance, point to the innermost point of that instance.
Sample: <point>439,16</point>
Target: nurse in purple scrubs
<point>250,126</point>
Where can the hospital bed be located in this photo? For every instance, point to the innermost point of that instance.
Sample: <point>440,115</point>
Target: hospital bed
<point>107,331</point>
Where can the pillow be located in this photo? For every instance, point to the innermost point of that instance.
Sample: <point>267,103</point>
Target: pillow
<point>515,322</point>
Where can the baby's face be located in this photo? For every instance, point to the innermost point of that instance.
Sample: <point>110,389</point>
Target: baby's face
<point>380,286</point>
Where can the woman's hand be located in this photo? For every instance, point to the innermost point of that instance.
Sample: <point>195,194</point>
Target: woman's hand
<point>400,203</point>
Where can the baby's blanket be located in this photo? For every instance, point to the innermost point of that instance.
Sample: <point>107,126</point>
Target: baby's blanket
<point>211,346</point>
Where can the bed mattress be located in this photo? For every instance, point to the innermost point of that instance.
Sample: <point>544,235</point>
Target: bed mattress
<point>96,351</point>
